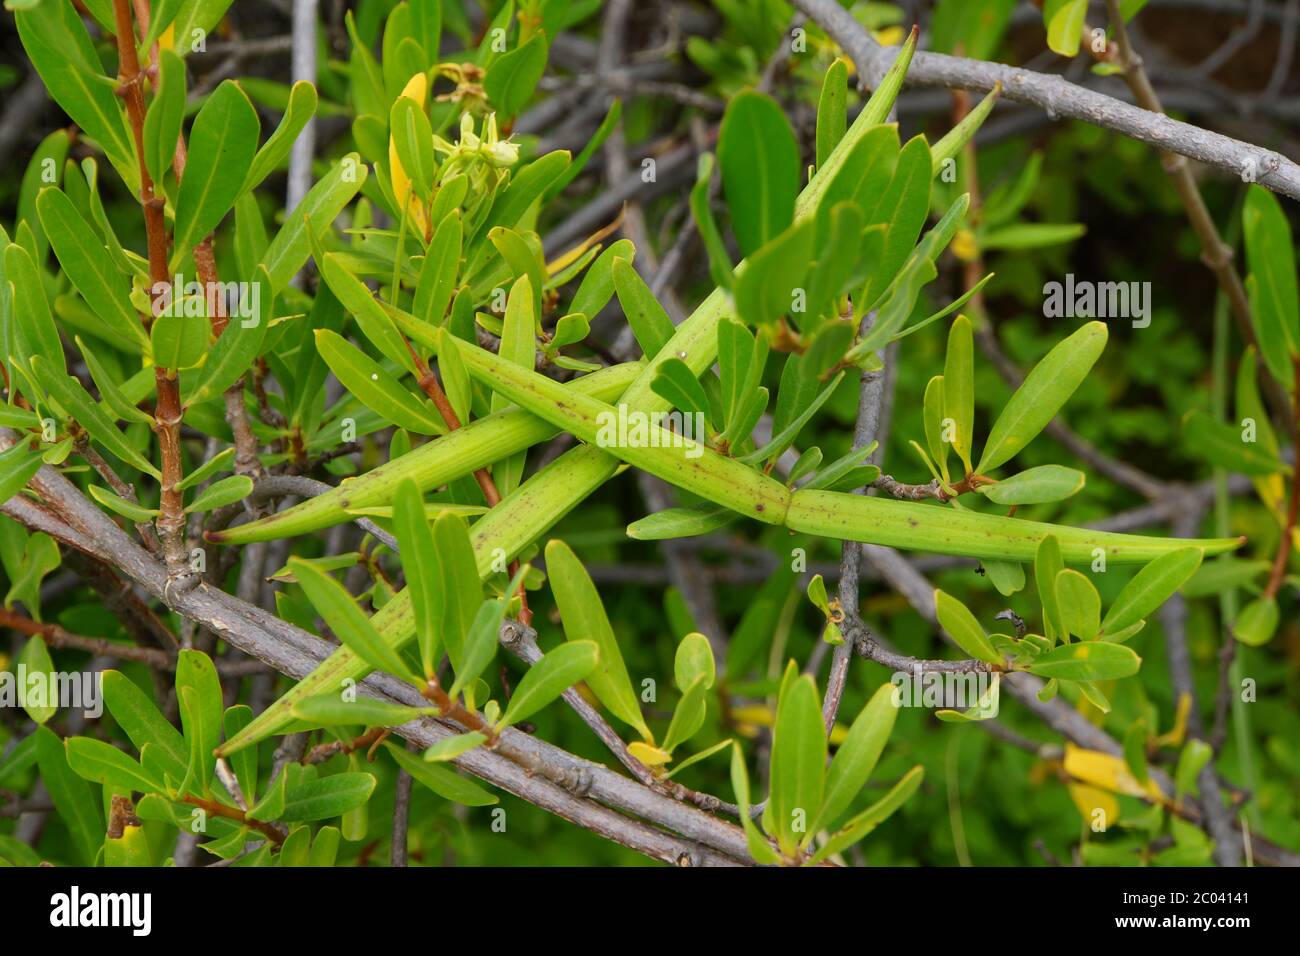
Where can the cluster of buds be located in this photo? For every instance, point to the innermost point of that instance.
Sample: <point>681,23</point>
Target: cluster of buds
<point>489,148</point>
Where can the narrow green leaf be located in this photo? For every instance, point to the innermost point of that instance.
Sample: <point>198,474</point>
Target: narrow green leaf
<point>326,710</point>
<point>144,723</point>
<point>462,594</point>
<point>1150,588</point>
<point>109,389</point>
<point>1047,387</point>
<point>679,386</point>
<point>720,264</point>
<point>759,848</point>
<point>322,204</point>
<point>236,350</point>
<point>1035,486</point>
<point>18,465</point>
<point>374,387</point>
<point>932,416</point>
<point>326,797</point>
<point>1222,574</point>
<point>99,762</point>
<point>583,617</point>
<point>903,207</point>
<point>1225,445</point>
<point>513,76</point>
<point>685,522</point>
<point>449,748</point>
<point>412,137</point>
<point>856,757</point>
<point>798,765</point>
<point>196,20</point>
<point>301,108</point>
<point>1192,759</point>
<point>375,323</point>
<point>552,675</point>
<point>77,804</point>
<point>956,138</point>
<point>870,818</point>
<point>650,323</point>
<point>1089,660</point>
<point>346,619</point>
<point>72,396</point>
<point>1007,576</point>
<point>198,691</point>
<point>443,781</point>
<point>127,509</point>
<point>874,113</point>
<point>35,659</point>
<point>60,48</point>
<point>437,281</point>
<point>694,660</point>
<point>959,388</point>
<point>1270,254</point>
<point>1257,622</point>
<point>480,641</point>
<point>767,285</point>
<point>166,114</point>
<point>223,141</point>
<point>832,110</point>
<point>36,333</point>
<point>420,563</point>
<point>1064,21</point>
<point>222,461</point>
<point>1047,565</point>
<point>759,160</point>
<point>220,493</point>
<point>597,286</point>
<point>1023,236</point>
<point>688,715</point>
<point>962,626</point>
<point>83,260</point>
<point>1079,603</point>
<point>244,763</point>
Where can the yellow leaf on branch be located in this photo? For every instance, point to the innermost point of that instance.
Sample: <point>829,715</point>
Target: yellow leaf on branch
<point>417,88</point>
<point>1089,800</point>
<point>1107,772</point>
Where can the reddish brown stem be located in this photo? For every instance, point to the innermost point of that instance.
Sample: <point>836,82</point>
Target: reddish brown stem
<point>429,384</point>
<point>368,741</point>
<point>454,710</point>
<point>167,424</point>
<point>234,813</point>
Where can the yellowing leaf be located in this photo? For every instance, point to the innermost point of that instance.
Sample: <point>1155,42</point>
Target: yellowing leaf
<point>1107,772</point>
<point>1088,800</point>
<point>964,246</point>
<point>416,88</point>
<point>566,259</point>
<point>753,716</point>
<point>890,36</point>
<point>1174,737</point>
<point>648,754</point>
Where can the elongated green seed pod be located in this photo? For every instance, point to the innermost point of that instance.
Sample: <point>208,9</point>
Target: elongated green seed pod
<point>725,481</point>
<point>679,460</point>
<point>920,527</point>
<point>450,456</point>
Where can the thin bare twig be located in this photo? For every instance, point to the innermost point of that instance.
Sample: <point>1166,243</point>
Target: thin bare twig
<point>1058,97</point>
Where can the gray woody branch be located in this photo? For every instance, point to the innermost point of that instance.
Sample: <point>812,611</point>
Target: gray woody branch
<point>1058,97</point>
<point>588,794</point>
